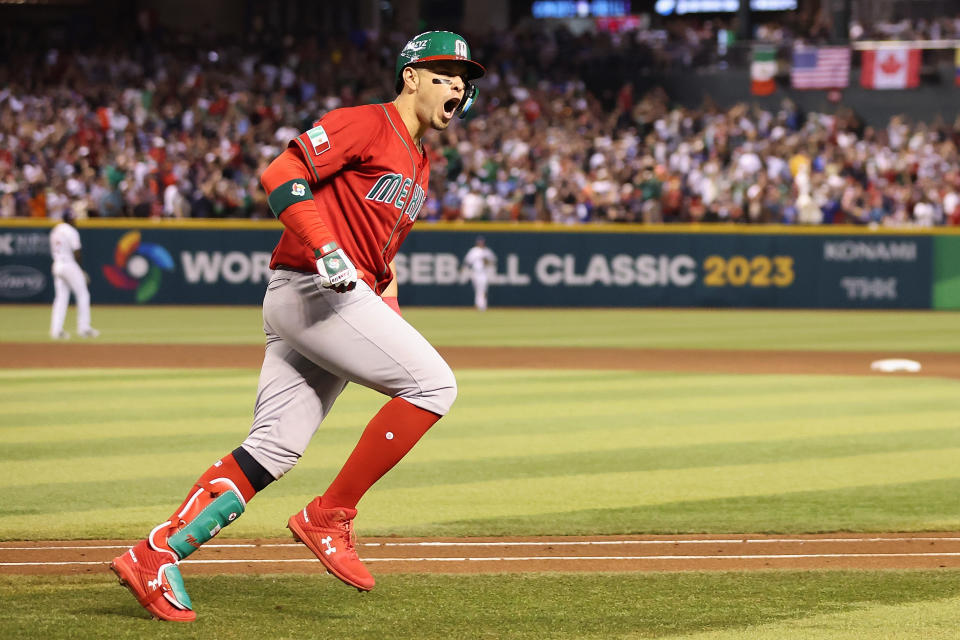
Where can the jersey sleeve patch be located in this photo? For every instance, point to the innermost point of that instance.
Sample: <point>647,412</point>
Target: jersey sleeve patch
<point>318,140</point>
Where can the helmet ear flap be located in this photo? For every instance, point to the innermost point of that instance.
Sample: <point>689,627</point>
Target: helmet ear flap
<point>469,97</point>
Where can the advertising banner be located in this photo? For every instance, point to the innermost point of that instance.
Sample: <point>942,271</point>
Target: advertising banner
<point>674,270</point>
<point>145,266</point>
<point>174,265</point>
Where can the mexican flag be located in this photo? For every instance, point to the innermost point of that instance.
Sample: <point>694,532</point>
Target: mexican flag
<point>896,68</point>
<point>762,70</point>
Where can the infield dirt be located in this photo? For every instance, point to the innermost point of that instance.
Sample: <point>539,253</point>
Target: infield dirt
<point>92,354</point>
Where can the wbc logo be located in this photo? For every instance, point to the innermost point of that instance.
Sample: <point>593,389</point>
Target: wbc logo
<point>298,189</point>
<point>137,266</point>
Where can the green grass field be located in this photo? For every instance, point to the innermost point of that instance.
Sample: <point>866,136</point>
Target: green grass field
<point>812,605</point>
<point>106,453</point>
<point>646,328</point>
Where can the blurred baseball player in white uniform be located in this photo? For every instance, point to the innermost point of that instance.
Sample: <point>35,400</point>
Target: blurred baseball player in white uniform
<point>480,260</point>
<point>68,276</point>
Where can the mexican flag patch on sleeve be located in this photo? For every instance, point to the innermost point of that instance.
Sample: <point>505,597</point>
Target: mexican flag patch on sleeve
<point>319,140</point>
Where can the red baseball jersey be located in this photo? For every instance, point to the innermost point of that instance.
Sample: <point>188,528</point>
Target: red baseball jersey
<point>369,182</point>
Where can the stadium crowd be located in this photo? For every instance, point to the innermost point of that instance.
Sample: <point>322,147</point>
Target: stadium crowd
<point>185,129</point>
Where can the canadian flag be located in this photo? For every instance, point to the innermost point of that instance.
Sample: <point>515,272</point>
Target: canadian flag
<point>897,68</point>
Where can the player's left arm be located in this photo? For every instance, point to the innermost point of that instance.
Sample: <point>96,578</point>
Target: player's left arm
<point>389,294</point>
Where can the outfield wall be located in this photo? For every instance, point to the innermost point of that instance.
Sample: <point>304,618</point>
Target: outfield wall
<point>227,262</point>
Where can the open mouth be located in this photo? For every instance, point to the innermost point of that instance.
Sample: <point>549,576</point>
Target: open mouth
<point>450,107</point>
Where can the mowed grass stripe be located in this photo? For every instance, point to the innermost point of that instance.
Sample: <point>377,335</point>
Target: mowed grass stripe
<point>130,410</point>
<point>466,434</point>
<point>194,420</point>
<point>425,472</point>
<point>193,324</point>
<point>655,458</point>
<point>234,419</point>
<point>581,445</point>
<point>934,620</point>
<point>676,391</point>
<point>638,328</point>
<point>388,509</point>
<point>629,392</point>
<point>565,390</point>
<point>692,328</point>
<point>486,430</point>
<point>642,383</point>
<point>906,506</point>
<point>562,394</point>
<point>167,385</point>
<point>85,495</point>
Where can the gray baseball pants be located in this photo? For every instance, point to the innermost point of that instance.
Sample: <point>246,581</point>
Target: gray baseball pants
<point>318,341</point>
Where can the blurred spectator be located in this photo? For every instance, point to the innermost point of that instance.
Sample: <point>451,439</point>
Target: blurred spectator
<point>184,127</point>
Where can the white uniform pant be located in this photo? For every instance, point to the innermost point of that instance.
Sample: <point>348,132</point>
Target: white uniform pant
<point>67,277</point>
<point>480,284</point>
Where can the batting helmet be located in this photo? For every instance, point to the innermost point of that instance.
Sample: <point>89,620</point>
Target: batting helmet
<point>440,45</point>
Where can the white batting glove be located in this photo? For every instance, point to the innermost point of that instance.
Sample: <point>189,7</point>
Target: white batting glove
<point>335,269</point>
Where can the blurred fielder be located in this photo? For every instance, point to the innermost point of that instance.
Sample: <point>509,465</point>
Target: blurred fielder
<point>347,192</point>
<point>68,277</point>
<point>480,260</point>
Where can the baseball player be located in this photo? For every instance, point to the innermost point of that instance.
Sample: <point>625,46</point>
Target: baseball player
<point>68,276</point>
<point>347,192</point>
<point>479,260</point>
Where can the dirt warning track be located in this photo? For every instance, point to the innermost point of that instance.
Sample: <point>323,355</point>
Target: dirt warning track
<point>105,355</point>
<point>499,555</point>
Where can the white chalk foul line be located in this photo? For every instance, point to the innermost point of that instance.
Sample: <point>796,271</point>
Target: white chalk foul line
<point>561,543</point>
<point>531,543</point>
<point>785,556</point>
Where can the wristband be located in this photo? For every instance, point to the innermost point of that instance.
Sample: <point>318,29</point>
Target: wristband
<point>325,249</point>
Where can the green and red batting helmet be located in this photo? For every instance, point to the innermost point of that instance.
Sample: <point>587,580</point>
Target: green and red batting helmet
<point>437,45</point>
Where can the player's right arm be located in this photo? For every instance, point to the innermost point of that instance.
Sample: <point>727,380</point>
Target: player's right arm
<point>287,182</point>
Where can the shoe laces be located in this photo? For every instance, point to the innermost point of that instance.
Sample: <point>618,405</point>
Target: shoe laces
<point>348,534</point>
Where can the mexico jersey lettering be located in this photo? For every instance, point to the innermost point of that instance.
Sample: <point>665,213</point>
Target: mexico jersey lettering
<point>395,188</point>
<point>369,182</point>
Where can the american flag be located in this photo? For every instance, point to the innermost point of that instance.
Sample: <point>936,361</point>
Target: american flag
<point>820,68</point>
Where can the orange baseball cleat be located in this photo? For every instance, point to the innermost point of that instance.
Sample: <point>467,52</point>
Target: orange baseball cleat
<point>328,533</point>
<point>154,579</point>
